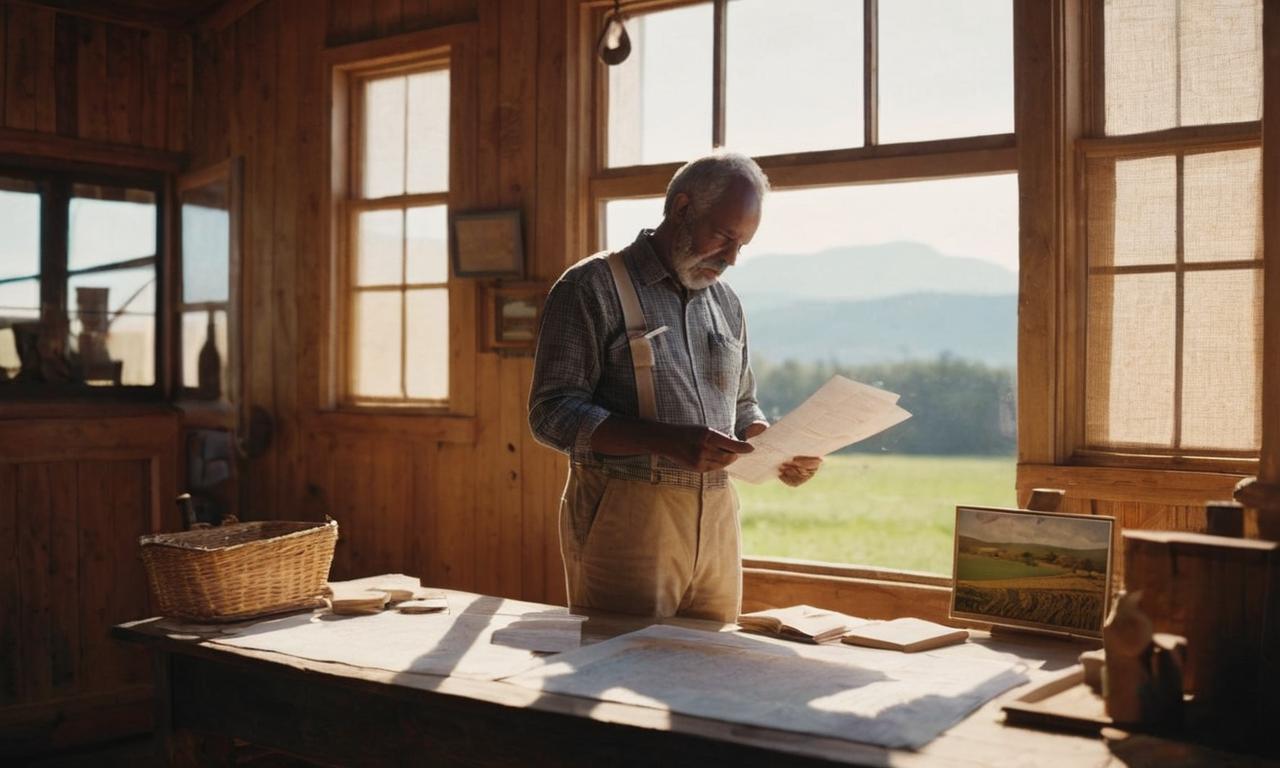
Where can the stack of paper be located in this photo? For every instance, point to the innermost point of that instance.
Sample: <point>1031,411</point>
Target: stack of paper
<point>840,413</point>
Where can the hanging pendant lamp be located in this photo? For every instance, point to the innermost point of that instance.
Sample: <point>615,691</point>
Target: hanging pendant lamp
<point>614,45</point>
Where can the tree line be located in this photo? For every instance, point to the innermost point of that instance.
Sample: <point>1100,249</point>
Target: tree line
<point>958,407</point>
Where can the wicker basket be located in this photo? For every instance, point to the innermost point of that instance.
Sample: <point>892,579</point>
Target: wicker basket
<point>239,571</point>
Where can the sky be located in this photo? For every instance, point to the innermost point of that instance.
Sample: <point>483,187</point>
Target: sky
<point>946,70</point>
<point>1010,527</point>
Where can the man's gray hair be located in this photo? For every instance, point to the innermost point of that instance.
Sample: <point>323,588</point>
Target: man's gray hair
<point>705,179</point>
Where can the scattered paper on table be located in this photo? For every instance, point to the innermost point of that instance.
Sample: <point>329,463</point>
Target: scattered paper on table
<point>858,694</point>
<point>842,412</point>
<point>457,643</point>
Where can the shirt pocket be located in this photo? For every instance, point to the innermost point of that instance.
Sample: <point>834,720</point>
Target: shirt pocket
<point>726,363</point>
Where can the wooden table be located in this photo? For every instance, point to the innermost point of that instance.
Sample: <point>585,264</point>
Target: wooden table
<point>208,694</point>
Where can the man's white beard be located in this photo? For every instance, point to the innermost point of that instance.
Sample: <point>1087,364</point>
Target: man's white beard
<point>688,264</point>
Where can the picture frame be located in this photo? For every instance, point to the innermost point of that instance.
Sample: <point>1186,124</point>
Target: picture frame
<point>511,315</point>
<point>1064,561</point>
<point>488,244</point>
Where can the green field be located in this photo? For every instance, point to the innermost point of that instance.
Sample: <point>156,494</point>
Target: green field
<point>979,568</point>
<point>894,511</point>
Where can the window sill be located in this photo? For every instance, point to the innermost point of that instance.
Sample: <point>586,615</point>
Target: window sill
<point>1174,487</point>
<point>873,593</point>
<point>413,424</point>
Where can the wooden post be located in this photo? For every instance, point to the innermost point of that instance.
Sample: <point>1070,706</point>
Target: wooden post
<point>1263,494</point>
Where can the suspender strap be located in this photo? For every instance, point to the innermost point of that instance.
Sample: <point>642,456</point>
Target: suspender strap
<point>642,357</point>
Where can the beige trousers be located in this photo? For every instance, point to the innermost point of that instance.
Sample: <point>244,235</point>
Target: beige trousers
<point>651,550</point>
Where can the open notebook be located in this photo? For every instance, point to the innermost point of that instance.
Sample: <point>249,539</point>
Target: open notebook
<point>907,634</point>
<point>799,622</point>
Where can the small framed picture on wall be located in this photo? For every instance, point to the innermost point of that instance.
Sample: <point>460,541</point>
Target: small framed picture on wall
<point>488,244</point>
<point>512,312</point>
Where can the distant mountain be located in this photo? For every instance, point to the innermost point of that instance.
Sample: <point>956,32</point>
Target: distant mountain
<point>971,544</point>
<point>867,272</point>
<point>910,327</point>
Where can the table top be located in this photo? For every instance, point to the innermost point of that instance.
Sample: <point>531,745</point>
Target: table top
<point>982,738</point>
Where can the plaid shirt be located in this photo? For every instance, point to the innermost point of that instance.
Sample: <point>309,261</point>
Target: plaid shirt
<point>582,371</point>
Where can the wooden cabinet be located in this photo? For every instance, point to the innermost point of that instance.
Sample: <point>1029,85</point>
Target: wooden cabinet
<point>75,495</point>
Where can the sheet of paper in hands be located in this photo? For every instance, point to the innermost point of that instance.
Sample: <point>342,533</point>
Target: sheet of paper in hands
<point>842,412</point>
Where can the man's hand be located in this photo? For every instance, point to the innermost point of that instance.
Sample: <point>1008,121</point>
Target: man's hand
<point>753,429</point>
<point>799,470</point>
<point>700,448</point>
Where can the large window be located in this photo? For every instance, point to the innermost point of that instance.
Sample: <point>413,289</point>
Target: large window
<point>1174,235</point>
<point>887,251</point>
<point>395,275</point>
<point>78,276</point>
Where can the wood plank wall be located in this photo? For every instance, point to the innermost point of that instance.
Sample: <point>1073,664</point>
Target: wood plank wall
<point>479,515</point>
<point>83,78</point>
<point>73,496</point>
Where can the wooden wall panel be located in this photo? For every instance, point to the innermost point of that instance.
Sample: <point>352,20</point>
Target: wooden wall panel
<point>91,79</point>
<point>10,610</point>
<point>478,515</point>
<point>75,495</point>
<point>69,533</point>
<point>114,511</point>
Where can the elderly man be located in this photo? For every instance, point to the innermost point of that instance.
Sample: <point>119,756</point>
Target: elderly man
<point>642,377</point>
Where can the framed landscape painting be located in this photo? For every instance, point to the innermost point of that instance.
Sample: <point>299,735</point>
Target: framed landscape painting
<point>1041,570</point>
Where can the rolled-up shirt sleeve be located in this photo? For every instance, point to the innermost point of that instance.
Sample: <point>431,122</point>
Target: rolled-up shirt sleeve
<point>566,370</point>
<point>748,408</point>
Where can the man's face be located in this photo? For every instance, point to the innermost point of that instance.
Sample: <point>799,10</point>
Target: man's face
<point>705,245</point>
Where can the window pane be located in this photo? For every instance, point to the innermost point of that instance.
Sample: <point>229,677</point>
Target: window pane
<point>427,361</point>
<point>19,230</point>
<point>429,131</point>
<point>206,244</point>
<point>1222,346</point>
<point>384,136</point>
<point>380,258</point>
<point>1130,360</point>
<point>113,325</point>
<point>911,287</point>
<point>375,355</point>
<point>946,69</point>
<point>624,219</point>
<point>1192,62</point>
<point>1222,205</point>
<point>660,97</point>
<point>107,225</point>
<point>201,341</point>
<point>1133,212</point>
<point>428,245</point>
<point>794,76</point>
<point>19,315</point>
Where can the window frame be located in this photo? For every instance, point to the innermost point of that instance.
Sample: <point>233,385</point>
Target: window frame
<point>452,47</point>
<point>55,182</point>
<point>206,413</point>
<point>871,163</point>
<point>1092,143</point>
<point>895,591</point>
